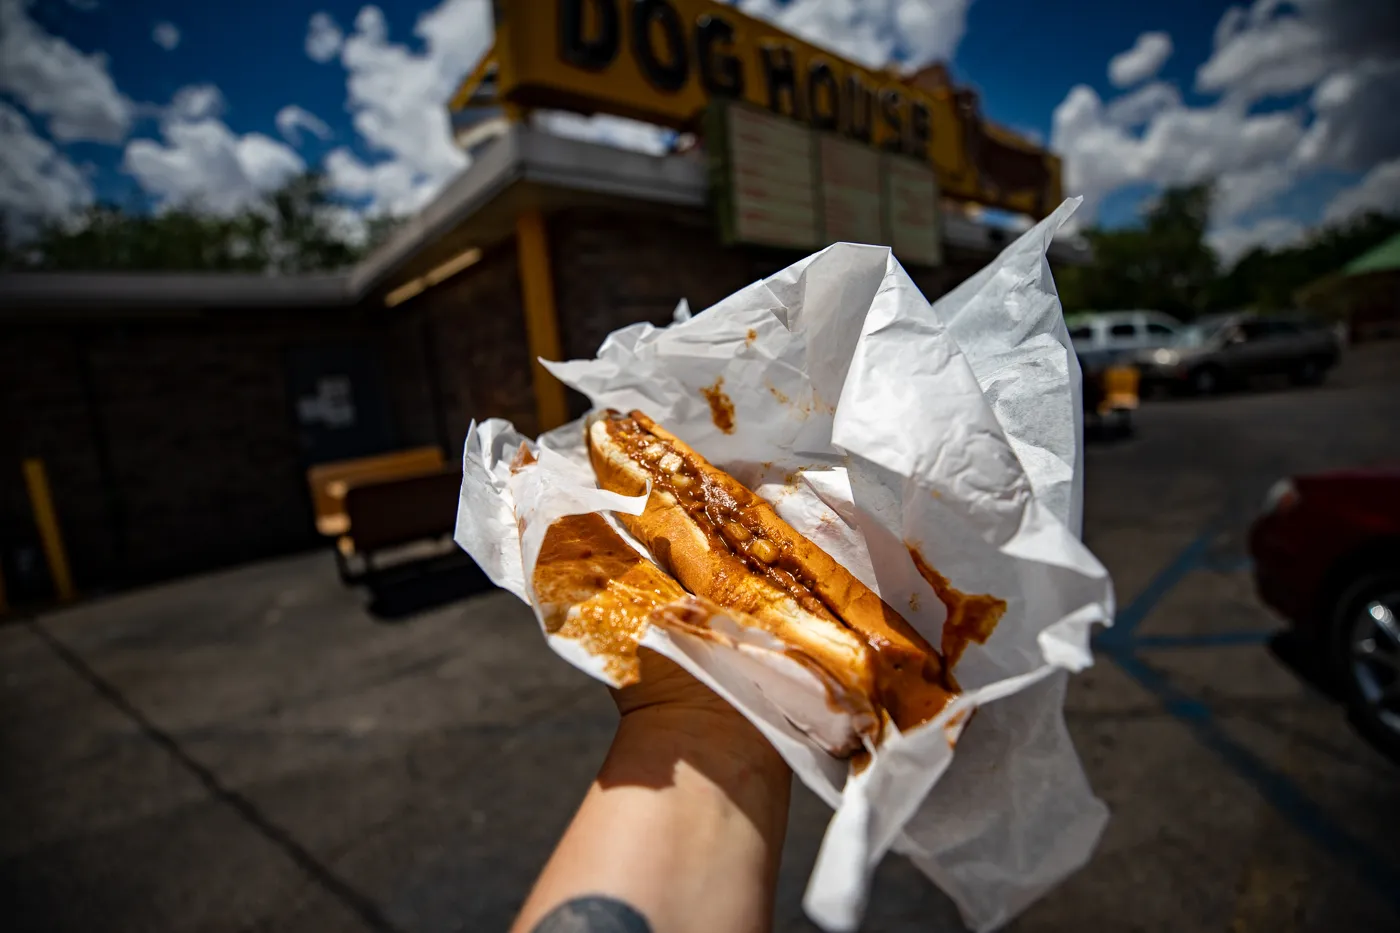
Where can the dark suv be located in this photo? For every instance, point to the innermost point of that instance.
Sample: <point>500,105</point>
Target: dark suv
<point>1229,349</point>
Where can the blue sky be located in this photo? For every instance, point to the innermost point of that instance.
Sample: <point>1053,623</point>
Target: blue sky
<point>252,50</point>
<point>1225,102</point>
<point>1023,56</point>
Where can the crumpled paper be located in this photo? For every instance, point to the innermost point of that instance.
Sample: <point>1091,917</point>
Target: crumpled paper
<point>876,425</point>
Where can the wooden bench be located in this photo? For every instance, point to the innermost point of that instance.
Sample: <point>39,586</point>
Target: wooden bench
<point>330,484</point>
<point>397,512</point>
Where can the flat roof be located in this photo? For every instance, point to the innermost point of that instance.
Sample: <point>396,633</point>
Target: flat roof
<point>524,167</point>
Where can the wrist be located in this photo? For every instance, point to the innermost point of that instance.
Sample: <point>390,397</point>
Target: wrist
<point>718,743</point>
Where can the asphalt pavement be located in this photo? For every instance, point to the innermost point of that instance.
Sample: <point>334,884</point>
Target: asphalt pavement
<point>255,750</point>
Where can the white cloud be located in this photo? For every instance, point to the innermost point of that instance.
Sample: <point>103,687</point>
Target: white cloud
<point>1179,145</point>
<point>397,99</point>
<point>291,120</point>
<point>1240,191</point>
<point>1378,190</point>
<point>323,38</point>
<point>1264,55</point>
<point>37,182</point>
<point>346,224</point>
<point>1280,48</point>
<point>194,102</point>
<point>614,131</point>
<point>1342,56</point>
<point>1356,124</point>
<point>1147,56</point>
<point>200,161</point>
<point>166,35</point>
<point>1230,243</point>
<point>872,32</point>
<point>390,187</point>
<point>52,79</point>
<point>1142,105</point>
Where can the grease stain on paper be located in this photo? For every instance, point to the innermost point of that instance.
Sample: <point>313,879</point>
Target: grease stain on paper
<point>593,588</point>
<point>721,408</point>
<point>971,616</point>
<point>950,728</point>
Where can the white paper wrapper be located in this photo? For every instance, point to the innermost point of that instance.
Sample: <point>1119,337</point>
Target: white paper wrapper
<point>875,424</point>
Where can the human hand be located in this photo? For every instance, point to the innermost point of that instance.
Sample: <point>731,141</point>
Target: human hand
<point>666,686</point>
<point>683,828</point>
<point>670,708</point>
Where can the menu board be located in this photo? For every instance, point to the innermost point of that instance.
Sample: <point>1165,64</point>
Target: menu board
<point>911,211</point>
<point>778,183</point>
<point>772,179</point>
<point>850,192</point>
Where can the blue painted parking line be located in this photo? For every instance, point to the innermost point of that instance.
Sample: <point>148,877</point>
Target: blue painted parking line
<point>1121,644</point>
<point>1203,640</point>
<point>1275,787</point>
<point>1228,563</point>
<point>1129,618</point>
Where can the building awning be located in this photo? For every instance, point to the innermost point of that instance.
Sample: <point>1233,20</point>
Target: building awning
<point>1384,258</point>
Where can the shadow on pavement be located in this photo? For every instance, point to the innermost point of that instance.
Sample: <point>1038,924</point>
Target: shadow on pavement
<point>1305,662</point>
<point>400,593</point>
<point>1101,432</point>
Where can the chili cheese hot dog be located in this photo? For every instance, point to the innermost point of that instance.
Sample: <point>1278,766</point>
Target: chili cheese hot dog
<point>727,545</point>
<point>591,587</point>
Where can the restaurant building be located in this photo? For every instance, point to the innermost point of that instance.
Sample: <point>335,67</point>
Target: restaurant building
<point>176,414</point>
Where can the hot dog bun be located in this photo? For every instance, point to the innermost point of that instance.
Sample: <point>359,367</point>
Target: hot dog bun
<point>593,588</point>
<point>727,545</point>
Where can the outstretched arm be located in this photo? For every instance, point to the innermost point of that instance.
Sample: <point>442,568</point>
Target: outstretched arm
<point>681,831</point>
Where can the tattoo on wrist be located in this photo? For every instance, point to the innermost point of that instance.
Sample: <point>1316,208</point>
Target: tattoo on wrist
<point>593,914</point>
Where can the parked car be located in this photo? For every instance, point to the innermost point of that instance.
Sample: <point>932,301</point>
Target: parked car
<point>1225,350</point>
<point>1122,330</point>
<point>1327,557</point>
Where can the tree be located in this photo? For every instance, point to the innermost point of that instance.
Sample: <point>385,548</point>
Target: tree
<point>291,230</point>
<point>1163,264</point>
<point>1269,280</point>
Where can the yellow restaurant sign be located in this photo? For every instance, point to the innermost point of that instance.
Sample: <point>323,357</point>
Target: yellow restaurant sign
<point>662,61</point>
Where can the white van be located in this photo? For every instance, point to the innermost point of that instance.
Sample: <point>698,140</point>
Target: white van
<point>1122,330</point>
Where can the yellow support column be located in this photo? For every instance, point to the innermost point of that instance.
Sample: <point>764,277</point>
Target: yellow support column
<point>47,521</point>
<point>541,317</point>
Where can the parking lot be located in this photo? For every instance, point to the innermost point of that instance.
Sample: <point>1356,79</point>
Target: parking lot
<point>254,750</point>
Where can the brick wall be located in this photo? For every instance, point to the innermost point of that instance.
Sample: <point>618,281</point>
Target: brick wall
<point>204,463</point>
<point>43,413</point>
<point>474,327</point>
<point>615,267</point>
<point>204,466</point>
<point>203,460</point>
<point>407,357</point>
<point>612,267</point>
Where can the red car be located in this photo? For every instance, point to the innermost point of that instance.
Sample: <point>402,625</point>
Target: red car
<point>1327,557</point>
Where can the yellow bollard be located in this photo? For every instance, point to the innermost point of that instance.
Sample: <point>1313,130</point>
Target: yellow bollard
<point>47,521</point>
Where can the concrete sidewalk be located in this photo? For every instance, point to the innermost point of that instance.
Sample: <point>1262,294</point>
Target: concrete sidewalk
<point>253,749</point>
